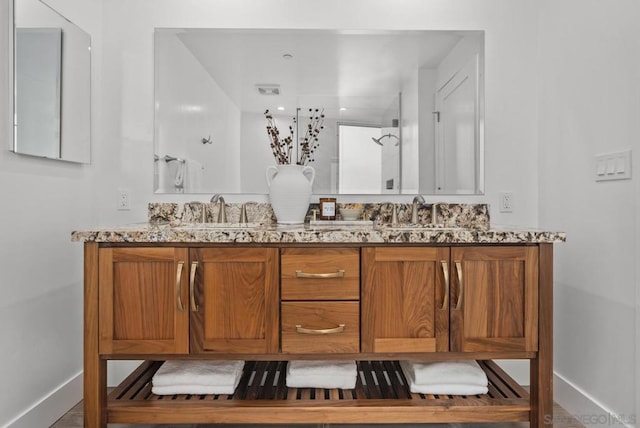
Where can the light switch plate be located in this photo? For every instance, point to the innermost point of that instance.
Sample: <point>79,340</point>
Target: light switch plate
<point>613,166</point>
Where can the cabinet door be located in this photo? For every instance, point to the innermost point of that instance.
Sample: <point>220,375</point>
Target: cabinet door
<point>235,300</point>
<point>404,299</point>
<point>494,300</point>
<point>143,296</point>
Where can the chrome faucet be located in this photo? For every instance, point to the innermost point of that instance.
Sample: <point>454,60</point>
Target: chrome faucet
<point>222,211</point>
<point>418,199</point>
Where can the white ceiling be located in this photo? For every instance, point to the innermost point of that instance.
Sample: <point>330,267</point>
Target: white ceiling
<point>361,70</point>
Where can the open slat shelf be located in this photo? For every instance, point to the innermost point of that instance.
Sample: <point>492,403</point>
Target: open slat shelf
<point>381,396</point>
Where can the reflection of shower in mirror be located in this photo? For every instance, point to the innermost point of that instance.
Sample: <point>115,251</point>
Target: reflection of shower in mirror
<point>378,141</point>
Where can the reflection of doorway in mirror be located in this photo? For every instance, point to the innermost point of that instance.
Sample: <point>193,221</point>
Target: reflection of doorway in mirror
<point>456,131</point>
<point>368,159</point>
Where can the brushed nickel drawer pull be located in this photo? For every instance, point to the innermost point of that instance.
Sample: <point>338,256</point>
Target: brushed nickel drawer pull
<point>460,285</point>
<point>445,272</point>
<point>338,274</point>
<point>192,286</point>
<point>179,286</point>
<point>302,330</point>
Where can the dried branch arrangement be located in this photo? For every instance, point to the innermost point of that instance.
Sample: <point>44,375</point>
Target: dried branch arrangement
<point>282,147</point>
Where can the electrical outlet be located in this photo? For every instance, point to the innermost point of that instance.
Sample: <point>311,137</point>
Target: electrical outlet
<point>506,202</point>
<point>124,200</point>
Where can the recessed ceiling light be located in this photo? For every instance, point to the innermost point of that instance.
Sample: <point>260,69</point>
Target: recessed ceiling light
<point>280,108</point>
<point>343,109</point>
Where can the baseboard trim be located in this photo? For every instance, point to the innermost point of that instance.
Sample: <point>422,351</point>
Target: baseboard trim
<point>586,409</point>
<point>51,407</point>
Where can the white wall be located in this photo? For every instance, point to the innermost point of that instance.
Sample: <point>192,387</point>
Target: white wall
<point>41,305</point>
<point>589,103</point>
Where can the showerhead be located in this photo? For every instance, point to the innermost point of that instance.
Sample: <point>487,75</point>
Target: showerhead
<point>378,141</point>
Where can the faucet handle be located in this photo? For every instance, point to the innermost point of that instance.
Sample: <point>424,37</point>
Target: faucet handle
<point>434,213</point>
<point>222,212</point>
<point>394,215</point>
<point>244,218</point>
<point>418,199</point>
<point>243,214</point>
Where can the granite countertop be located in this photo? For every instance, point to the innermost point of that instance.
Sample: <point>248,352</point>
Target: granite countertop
<point>437,223</point>
<point>195,233</point>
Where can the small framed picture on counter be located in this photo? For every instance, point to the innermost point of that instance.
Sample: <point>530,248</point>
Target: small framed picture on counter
<point>328,208</point>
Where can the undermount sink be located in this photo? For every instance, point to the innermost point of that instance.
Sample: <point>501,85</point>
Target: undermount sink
<point>409,227</point>
<point>340,224</point>
<point>220,226</point>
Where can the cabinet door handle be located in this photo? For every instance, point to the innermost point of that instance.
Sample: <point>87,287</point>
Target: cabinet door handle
<point>460,285</point>
<point>302,330</point>
<point>179,286</point>
<point>192,286</point>
<point>445,273</point>
<point>338,274</point>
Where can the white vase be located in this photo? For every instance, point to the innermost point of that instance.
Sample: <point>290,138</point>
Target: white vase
<point>290,191</point>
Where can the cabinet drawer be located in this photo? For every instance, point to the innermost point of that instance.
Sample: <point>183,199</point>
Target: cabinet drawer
<point>331,327</point>
<point>320,274</point>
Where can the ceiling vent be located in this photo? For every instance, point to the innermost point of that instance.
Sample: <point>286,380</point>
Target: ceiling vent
<point>268,89</point>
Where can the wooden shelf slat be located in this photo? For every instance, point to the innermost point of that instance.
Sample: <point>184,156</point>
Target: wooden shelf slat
<point>387,400</point>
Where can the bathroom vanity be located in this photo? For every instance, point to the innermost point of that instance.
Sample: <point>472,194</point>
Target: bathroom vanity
<point>270,294</point>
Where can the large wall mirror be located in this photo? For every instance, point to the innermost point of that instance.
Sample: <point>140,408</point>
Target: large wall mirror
<point>52,84</point>
<point>403,110</point>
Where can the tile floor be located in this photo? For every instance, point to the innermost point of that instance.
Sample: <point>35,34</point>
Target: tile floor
<point>73,419</point>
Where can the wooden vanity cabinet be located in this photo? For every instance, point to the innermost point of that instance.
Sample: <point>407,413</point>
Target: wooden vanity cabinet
<point>405,299</point>
<point>165,300</point>
<point>143,300</point>
<point>365,302</point>
<point>458,299</point>
<point>494,298</point>
<point>234,300</point>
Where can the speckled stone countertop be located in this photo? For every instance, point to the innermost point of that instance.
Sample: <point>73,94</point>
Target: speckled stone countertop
<point>145,233</point>
<point>456,224</point>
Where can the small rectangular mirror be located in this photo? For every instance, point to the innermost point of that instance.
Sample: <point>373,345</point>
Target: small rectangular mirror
<point>52,84</point>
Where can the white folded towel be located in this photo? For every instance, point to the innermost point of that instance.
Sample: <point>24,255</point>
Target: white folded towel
<point>328,382</point>
<point>464,377</point>
<point>321,367</point>
<point>197,377</point>
<point>448,389</point>
<point>193,389</point>
<point>322,374</point>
